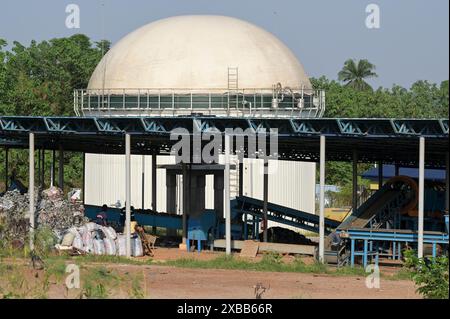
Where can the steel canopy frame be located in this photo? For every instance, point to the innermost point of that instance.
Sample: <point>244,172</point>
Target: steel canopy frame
<point>390,140</point>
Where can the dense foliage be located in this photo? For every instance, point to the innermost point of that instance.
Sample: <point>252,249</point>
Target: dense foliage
<point>39,80</point>
<point>430,275</point>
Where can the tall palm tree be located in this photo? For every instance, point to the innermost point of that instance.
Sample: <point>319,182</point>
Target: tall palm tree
<point>354,74</point>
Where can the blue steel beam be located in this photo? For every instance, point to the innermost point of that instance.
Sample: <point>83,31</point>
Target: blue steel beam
<point>400,235</point>
<point>285,127</point>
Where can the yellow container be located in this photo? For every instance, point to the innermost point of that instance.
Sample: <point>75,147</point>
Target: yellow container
<point>132,226</point>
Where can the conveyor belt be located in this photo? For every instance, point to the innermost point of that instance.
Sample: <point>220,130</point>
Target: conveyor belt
<point>370,209</point>
<point>281,214</point>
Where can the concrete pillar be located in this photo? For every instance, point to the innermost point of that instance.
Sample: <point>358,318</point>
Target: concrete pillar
<point>128,193</point>
<point>218,193</point>
<point>421,195</point>
<point>61,168</point>
<point>355,182</point>
<point>227,195</point>
<point>265,197</point>
<point>322,200</point>
<point>31,189</point>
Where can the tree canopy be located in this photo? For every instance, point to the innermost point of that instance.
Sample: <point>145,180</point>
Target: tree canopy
<point>354,73</point>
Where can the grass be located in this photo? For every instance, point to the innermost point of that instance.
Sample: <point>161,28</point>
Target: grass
<point>98,259</point>
<point>98,282</point>
<point>402,274</point>
<point>273,263</point>
<point>270,262</point>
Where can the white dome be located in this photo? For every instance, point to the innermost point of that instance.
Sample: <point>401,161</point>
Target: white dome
<point>194,52</point>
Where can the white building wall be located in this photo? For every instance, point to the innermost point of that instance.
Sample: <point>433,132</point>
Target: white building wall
<point>291,184</point>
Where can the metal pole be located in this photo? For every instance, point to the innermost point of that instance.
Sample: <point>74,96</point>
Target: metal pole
<point>227,195</point>
<point>52,169</point>
<point>31,189</point>
<point>397,170</point>
<point>83,191</point>
<point>128,193</point>
<point>143,183</point>
<point>265,197</point>
<point>421,194</point>
<point>446,182</point>
<point>43,169</point>
<point>6,168</point>
<point>241,178</point>
<point>322,201</point>
<point>186,188</point>
<point>39,182</point>
<point>61,168</point>
<point>154,181</point>
<point>355,182</point>
<point>380,174</point>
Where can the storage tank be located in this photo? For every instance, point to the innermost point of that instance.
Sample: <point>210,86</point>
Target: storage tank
<point>213,65</point>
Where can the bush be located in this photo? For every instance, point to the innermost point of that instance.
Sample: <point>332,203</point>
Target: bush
<point>430,275</point>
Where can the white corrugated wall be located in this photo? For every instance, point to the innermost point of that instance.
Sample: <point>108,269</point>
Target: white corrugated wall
<point>291,184</point>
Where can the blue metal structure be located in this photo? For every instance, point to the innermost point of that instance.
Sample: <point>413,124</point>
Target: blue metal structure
<point>389,140</point>
<point>389,172</point>
<point>372,239</point>
<point>204,228</point>
<point>392,141</point>
<point>288,216</point>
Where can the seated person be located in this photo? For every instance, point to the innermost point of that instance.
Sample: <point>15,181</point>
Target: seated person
<point>102,217</point>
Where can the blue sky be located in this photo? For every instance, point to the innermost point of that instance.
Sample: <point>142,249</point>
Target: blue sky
<point>411,44</point>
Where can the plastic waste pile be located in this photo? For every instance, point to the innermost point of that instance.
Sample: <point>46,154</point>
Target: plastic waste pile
<point>14,214</point>
<point>52,211</point>
<point>57,213</point>
<point>95,239</point>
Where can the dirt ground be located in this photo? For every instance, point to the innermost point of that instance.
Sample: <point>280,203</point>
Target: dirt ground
<point>185,283</point>
<point>171,282</point>
<point>162,281</point>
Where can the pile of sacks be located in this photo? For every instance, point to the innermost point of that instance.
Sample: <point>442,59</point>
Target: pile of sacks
<point>95,239</point>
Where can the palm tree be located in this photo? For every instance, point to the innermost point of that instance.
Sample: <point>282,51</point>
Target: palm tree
<point>354,74</point>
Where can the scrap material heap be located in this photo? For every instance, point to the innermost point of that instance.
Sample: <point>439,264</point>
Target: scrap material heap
<point>52,212</point>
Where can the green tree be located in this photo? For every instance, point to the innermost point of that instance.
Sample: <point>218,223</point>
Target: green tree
<point>39,79</point>
<point>355,73</point>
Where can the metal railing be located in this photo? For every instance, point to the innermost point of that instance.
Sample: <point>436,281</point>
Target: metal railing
<point>242,102</point>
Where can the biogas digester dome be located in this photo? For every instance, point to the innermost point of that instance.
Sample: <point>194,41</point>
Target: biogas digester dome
<point>200,64</point>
